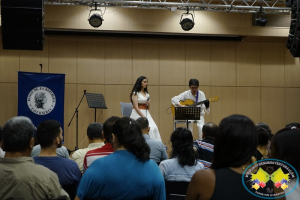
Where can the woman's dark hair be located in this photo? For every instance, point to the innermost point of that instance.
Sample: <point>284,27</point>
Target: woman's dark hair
<point>138,86</point>
<point>182,147</point>
<point>130,136</point>
<point>235,142</point>
<point>263,136</point>
<point>285,146</point>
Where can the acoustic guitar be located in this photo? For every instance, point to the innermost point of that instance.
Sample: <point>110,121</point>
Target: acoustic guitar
<point>191,103</point>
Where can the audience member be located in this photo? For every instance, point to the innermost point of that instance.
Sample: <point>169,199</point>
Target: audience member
<point>105,150</point>
<point>205,147</point>
<point>285,146</point>
<point>21,178</point>
<point>295,124</point>
<point>157,149</point>
<point>263,140</point>
<point>96,140</point>
<point>183,163</point>
<point>266,126</point>
<point>61,151</point>
<point>235,143</point>
<point>49,135</point>
<point>128,173</point>
<point>2,153</point>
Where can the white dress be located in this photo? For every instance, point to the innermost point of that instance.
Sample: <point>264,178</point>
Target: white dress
<point>153,133</point>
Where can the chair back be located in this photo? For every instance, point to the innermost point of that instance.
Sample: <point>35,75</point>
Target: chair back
<point>126,109</point>
<point>176,190</point>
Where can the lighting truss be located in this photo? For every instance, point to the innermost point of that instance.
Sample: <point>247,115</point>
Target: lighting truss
<point>239,6</point>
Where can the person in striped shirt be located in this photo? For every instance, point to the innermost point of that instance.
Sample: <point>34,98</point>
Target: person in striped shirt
<point>205,147</point>
<point>105,150</point>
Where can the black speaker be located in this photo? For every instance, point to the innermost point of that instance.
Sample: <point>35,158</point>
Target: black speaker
<point>293,42</point>
<point>22,24</point>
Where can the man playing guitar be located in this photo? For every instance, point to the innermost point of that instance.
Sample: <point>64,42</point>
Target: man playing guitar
<point>197,96</point>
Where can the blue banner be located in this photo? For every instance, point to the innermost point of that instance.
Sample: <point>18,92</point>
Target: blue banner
<point>41,96</point>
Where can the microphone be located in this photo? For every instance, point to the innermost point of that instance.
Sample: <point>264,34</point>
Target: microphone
<point>147,101</point>
<point>84,91</point>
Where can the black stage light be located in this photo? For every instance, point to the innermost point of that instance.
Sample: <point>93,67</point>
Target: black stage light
<point>95,20</point>
<point>187,23</point>
<point>261,21</point>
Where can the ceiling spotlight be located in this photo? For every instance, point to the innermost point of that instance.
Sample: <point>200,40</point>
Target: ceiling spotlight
<point>187,23</point>
<point>260,18</point>
<point>95,20</point>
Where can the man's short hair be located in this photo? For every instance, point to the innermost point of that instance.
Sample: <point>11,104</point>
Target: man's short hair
<point>295,124</point>
<point>210,129</point>
<point>94,131</point>
<point>143,122</point>
<point>193,82</point>
<point>108,127</point>
<point>17,133</point>
<point>47,131</point>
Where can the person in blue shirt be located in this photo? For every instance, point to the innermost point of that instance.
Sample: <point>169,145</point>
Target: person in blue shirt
<point>128,173</point>
<point>49,135</point>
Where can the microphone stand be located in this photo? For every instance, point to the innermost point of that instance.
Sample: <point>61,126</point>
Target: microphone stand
<point>76,112</point>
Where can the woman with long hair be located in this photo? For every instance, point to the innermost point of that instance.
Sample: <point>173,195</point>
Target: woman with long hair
<point>128,173</point>
<point>235,144</point>
<point>285,146</point>
<point>183,162</point>
<point>140,100</point>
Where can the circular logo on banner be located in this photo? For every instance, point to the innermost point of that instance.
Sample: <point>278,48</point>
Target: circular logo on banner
<point>41,100</point>
<point>270,178</point>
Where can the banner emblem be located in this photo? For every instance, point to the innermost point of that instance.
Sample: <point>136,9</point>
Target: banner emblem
<point>41,100</point>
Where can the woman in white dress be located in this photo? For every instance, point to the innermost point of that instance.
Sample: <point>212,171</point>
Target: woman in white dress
<point>140,100</point>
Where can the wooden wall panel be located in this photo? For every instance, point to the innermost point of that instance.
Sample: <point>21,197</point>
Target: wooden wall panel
<point>226,105</point>
<point>91,60</point>
<point>71,103</point>
<point>114,94</point>
<point>9,65</point>
<point>63,56</point>
<point>248,63</point>
<point>172,62</point>
<point>292,111</point>
<point>272,64</point>
<point>249,102</point>
<point>292,69</point>
<point>118,61</point>
<point>223,63</point>
<point>30,60</point>
<point>198,61</point>
<point>166,93</point>
<point>8,101</point>
<point>146,60</point>
<point>273,107</point>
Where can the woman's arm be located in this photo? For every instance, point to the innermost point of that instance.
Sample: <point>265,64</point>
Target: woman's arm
<point>202,185</point>
<point>136,105</point>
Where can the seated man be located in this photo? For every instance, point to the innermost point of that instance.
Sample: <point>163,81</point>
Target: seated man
<point>205,147</point>
<point>157,149</point>
<point>105,150</point>
<point>196,96</point>
<point>21,178</point>
<point>96,140</point>
<point>49,134</point>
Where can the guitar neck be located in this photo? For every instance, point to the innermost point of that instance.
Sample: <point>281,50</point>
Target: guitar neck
<point>196,104</point>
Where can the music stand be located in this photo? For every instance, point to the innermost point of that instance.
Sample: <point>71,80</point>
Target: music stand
<point>95,101</point>
<point>187,113</point>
